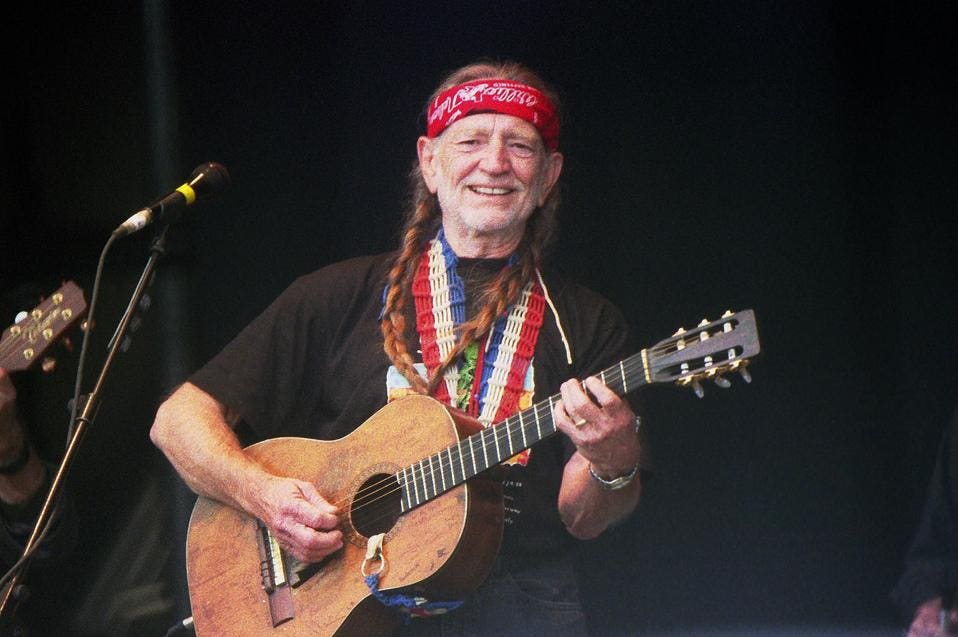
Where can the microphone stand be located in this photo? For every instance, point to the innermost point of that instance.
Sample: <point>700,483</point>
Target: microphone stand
<point>84,419</point>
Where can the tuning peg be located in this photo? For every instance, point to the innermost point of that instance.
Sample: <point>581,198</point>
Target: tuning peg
<point>698,389</point>
<point>722,381</point>
<point>48,365</point>
<point>679,346</point>
<point>704,336</point>
<point>67,343</point>
<point>743,372</point>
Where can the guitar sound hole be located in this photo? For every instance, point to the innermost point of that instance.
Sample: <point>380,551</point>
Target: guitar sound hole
<point>377,505</point>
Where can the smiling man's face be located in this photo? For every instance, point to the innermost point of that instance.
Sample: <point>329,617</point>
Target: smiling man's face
<point>490,171</point>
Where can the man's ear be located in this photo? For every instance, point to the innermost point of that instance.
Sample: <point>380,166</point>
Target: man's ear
<point>427,156</point>
<point>553,169</point>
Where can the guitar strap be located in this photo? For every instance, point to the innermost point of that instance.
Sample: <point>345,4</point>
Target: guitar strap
<point>409,606</point>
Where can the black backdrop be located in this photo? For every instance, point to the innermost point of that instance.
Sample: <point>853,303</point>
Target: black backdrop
<point>798,159</point>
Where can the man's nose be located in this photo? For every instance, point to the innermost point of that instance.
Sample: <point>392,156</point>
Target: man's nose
<point>495,157</point>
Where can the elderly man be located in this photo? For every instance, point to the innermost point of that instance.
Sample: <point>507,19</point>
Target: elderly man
<point>492,332</point>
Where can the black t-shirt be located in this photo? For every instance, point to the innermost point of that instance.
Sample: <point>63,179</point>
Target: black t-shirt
<point>313,365</point>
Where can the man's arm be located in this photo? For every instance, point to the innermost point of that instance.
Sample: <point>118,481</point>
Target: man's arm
<point>606,445</point>
<point>193,430</point>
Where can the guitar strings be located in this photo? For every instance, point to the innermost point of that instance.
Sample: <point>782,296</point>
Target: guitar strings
<point>390,484</point>
<point>505,428</point>
<point>373,493</point>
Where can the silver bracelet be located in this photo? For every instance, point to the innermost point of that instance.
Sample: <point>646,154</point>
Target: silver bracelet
<point>615,483</point>
<point>621,481</point>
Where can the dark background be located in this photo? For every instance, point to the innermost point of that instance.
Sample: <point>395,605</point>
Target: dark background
<point>794,158</point>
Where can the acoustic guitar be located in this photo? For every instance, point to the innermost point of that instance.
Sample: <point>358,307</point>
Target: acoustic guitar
<point>420,507</point>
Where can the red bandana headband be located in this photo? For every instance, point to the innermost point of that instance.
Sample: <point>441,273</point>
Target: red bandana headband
<point>499,96</point>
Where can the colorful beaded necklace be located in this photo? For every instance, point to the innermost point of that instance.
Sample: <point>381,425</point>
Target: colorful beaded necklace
<point>486,384</point>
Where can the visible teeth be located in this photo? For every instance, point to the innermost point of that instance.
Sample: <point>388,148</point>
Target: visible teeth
<point>490,191</point>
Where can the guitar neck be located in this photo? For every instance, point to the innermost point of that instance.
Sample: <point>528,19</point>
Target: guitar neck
<point>440,472</point>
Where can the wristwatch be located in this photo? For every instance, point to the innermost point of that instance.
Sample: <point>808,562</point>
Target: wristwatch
<point>615,483</point>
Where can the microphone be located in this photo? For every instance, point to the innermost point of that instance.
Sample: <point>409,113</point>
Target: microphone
<point>207,180</point>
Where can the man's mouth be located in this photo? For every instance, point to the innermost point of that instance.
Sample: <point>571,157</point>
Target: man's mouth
<point>488,190</point>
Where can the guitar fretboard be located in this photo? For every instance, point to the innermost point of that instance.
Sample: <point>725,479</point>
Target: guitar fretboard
<point>440,472</point>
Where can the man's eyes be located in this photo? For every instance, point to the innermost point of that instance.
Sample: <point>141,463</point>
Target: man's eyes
<point>518,147</point>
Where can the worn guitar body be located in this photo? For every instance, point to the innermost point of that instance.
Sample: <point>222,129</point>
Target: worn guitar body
<point>442,549</point>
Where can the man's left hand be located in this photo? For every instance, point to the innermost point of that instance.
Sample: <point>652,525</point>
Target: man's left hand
<point>602,426</point>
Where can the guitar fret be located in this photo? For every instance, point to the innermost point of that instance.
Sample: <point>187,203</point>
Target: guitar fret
<point>415,485</point>
<point>462,468</point>
<point>522,428</point>
<point>420,482</point>
<point>509,438</point>
<point>472,454</point>
<point>535,415</point>
<point>485,454</point>
<point>425,481</point>
<point>417,500</point>
<point>552,409</point>
<point>401,477</point>
<point>625,384</point>
<point>452,468</point>
<point>432,474</point>
<point>410,490</point>
<point>495,439</point>
<point>442,478</point>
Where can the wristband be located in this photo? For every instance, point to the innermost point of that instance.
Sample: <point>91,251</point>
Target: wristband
<point>615,483</point>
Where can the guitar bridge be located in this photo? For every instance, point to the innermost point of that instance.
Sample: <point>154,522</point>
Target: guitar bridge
<point>274,574</point>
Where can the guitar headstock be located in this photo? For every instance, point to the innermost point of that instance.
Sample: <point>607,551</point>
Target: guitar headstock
<point>24,343</point>
<point>706,352</point>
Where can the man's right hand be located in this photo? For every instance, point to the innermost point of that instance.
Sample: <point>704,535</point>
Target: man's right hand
<point>193,429</point>
<point>301,520</point>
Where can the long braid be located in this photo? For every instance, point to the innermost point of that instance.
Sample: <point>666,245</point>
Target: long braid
<point>393,323</point>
